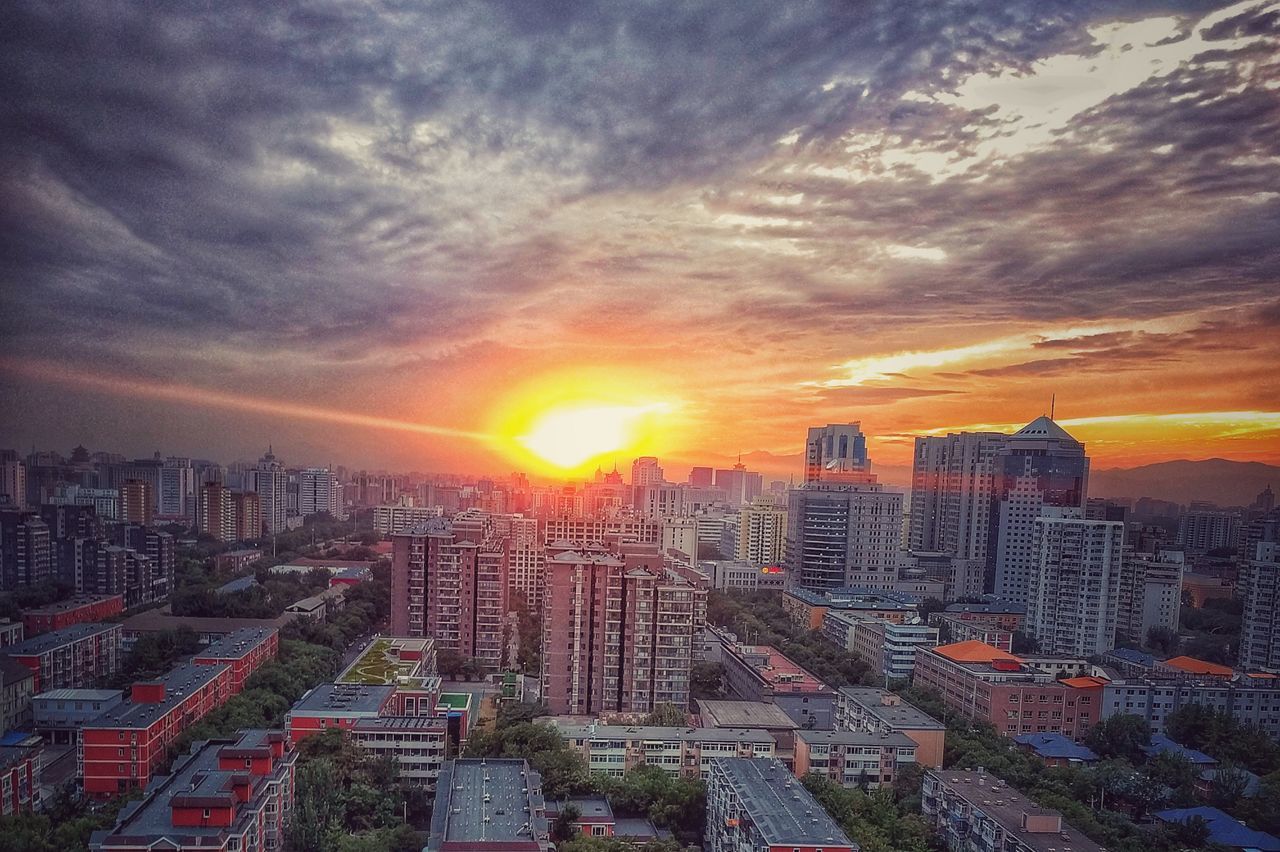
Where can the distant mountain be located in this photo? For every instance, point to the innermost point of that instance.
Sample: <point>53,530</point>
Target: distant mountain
<point>1221,481</point>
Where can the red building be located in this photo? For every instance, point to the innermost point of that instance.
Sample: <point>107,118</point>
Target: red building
<point>78,610</point>
<point>71,658</point>
<point>1006,616</point>
<point>985,684</point>
<point>19,779</point>
<point>227,794</point>
<point>245,650</point>
<point>338,705</point>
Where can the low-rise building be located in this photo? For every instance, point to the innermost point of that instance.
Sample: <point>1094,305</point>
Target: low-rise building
<point>756,805</point>
<point>235,561</point>
<point>1055,749</point>
<point>1224,830</point>
<point>614,749</point>
<point>17,686</point>
<point>806,608</point>
<point>207,630</point>
<point>1252,702</point>
<point>70,658</point>
<point>952,628</point>
<point>244,650</point>
<point>888,647</point>
<point>763,673</point>
<point>226,795</point>
<point>418,745</point>
<point>976,812</point>
<point>753,715</point>
<point>80,609</point>
<point>337,705</point>
<point>985,684</point>
<point>20,775</point>
<point>728,574</point>
<point>853,758</point>
<point>489,805</point>
<point>875,710</point>
<point>596,819</point>
<point>10,633</point>
<point>1006,615</point>
<point>58,715</point>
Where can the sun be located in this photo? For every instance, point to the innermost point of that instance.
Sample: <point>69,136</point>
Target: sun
<point>571,436</point>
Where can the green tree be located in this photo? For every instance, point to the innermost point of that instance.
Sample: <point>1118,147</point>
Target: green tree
<point>563,828</point>
<point>1122,735</point>
<point>706,680</point>
<point>667,715</point>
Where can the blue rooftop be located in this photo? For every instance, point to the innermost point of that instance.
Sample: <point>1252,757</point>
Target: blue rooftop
<point>1160,744</point>
<point>1224,829</point>
<point>1056,746</point>
<point>239,584</point>
<point>1131,655</point>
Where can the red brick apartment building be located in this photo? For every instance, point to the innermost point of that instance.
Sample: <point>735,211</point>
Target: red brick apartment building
<point>70,658</point>
<point>78,610</point>
<point>227,795</point>
<point>19,779</point>
<point>986,684</point>
<point>245,650</point>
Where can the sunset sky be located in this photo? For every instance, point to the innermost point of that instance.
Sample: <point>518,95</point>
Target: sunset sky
<point>397,234</point>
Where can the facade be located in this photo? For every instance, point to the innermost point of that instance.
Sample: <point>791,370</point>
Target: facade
<point>1074,590</point>
<point>890,647</point>
<point>762,673</point>
<point>1203,529</point>
<point>10,632</point>
<point>877,711</point>
<point>843,533</point>
<point>952,483</point>
<point>952,629</point>
<point>17,686</point>
<point>57,715</point>
<point>1150,593</point>
<point>26,550</point>
<point>76,610</point>
<point>270,481</point>
<point>417,744</point>
<point>397,518</point>
<point>13,480</point>
<point>74,657</point>
<point>836,447</point>
<point>762,532</point>
<point>320,492</point>
<point>489,805</point>
<point>976,812</point>
<point>577,530</point>
<point>1040,466</point>
<point>225,795</point>
<point>137,501</point>
<point>687,752</point>
<point>449,582</point>
<point>960,578</point>
<point>215,511</point>
<point>175,494</point>
<point>1251,702</point>
<point>756,805</point>
<point>984,684</point>
<point>807,609</point>
<point>853,758</point>
<point>20,776</point>
<point>1259,586</point>
<point>743,576</point>
<point>618,632</point>
<point>998,613</point>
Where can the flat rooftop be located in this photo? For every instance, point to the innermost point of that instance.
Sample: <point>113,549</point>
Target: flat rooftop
<point>78,695</point>
<point>901,715</point>
<point>154,620</point>
<point>990,608</point>
<point>238,644</point>
<point>402,723</point>
<point>489,801</point>
<point>1006,806</point>
<point>179,684</point>
<point>744,714</point>
<point>778,804</point>
<point>856,738</point>
<point>46,642</point>
<point>777,670</point>
<point>388,660</point>
<point>664,733</point>
<point>69,604</point>
<point>343,699</point>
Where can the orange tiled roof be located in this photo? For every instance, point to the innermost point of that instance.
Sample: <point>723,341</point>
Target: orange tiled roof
<point>1086,682</point>
<point>973,651</point>
<point>1194,666</point>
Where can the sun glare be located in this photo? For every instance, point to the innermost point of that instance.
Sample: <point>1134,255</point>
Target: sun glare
<point>571,436</point>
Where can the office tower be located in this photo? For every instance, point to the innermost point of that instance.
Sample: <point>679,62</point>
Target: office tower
<point>701,477</point>
<point>1201,529</point>
<point>951,485</point>
<point>137,504</point>
<point>740,485</point>
<point>1150,593</point>
<point>1040,466</point>
<point>658,500</point>
<point>449,583</point>
<point>215,512</point>
<point>646,471</point>
<point>1259,587</point>
<point>762,532</point>
<point>26,557</point>
<point>843,528</point>
<point>835,447</point>
<point>177,489</point>
<point>319,491</point>
<point>13,480</point>
<point>270,481</point>
<point>617,634</point>
<point>1074,592</point>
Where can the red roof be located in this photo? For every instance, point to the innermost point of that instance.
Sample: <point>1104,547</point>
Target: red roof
<point>1203,667</point>
<point>1086,682</point>
<point>973,651</point>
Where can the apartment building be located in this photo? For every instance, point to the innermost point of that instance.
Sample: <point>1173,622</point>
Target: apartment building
<point>687,752</point>
<point>489,805</point>
<point>952,629</point>
<point>80,609</point>
<point>763,673</point>
<point>20,776</point>
<point>878,711</point>
<point>70,658</point>
<point>233,794</point>
<point>1249,701</point>
<point>244,650</point>
<point>58,715</point>
<point>853,758</point>
<point>976,812</point>
<point>418,745</point>
<point>756,805</point>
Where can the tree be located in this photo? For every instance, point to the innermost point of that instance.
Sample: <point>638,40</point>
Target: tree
<point>1192,832</point>
<point>706,680</point>
<point>929,606</point>
<point>1162,639</point>
<point>1121,736</point>
<point>1025,643</point>
<point>667,715</point>
<point>563,828</point>
<point>1230,783</point>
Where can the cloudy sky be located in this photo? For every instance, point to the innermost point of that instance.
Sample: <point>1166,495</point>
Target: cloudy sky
<point>368,231</point>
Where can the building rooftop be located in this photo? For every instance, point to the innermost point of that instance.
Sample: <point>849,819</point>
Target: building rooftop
<point>1085,682</point>
<point>973,651</point>
<point>1056,747</point>
<point>989,607</point>
<point>390,660</point>
<point>1133,656</point>
<point>12,671</point>
<point>78,695</point>
<point>900,715</point>
<point>402,723</point>
<point>67,605</point>
<point>343,699</point>
<point>1161,744</point>
<point>9,755</point>
<point>1007,806</point>
<point>239,584</point>
<point>155,620</point>
<point>777,670</point>
<point>179,683</point>
<point>46,642</point>
<point>856,738</point>
<point>1191,665</point>
<point>1223,828</point>
<point>593,731</point>
<point>488,801</point>
<point>590,808</point>
<point>779,806</point>
<point>238,644</point>
<point>744,714</point>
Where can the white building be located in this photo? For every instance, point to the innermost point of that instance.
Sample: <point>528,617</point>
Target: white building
<point>680,534</point>
<point>270,481</point>
<point>842,534</point>
<point>1074,593</point>
<point>1260,588</point>
<point>177,489</point>
<point>762,532</point>
<point>1150,593</point>
<point>389,520</point>
<point>319,491</point>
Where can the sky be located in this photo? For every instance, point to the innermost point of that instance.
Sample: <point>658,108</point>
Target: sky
<point>403,235</point>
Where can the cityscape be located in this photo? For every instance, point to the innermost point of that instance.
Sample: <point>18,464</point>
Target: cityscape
<point>649,427</point>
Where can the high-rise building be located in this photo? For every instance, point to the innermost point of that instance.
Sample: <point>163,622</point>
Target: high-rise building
<point>159,549</point>
<point>1264,502</point>
<point>843,534</point>
<point>1203,529</point>
<point>837,447</point>
<point>1040,466</point>
<point>13,480</point>
<point>740,485</point>
<point>1259,587</point>
<point>319,491</point>
<point>176,496</point>
<point>449,583</point>
<point>762,532</point>
<point>248,513</point>
<point>680,534</point>
<point>1074,593</point>
<point>646,471</point>
<point>215,512</point>
<point>1150,593</point>
<point>951,488</point>
<point>137,502</point>
<point>701,477</point>
<point>617,634</point>
<point>26,554</point>
<point>270,481</point>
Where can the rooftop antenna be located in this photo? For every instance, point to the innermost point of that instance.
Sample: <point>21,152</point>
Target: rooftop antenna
<point>1053,400</point>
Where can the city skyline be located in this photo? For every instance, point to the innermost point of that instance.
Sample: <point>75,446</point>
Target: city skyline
<point>404,238</point>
